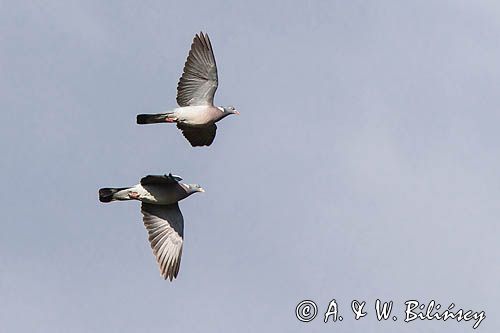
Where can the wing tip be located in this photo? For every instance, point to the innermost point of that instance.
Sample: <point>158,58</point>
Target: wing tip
<point>203,39</point>
<point>171,272</point>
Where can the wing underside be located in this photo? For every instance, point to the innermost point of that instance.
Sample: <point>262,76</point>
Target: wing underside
<point>199,136</point>
<point>165,226</point>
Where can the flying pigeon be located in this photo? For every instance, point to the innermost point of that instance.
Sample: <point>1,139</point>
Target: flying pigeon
<point>197,115</point>
<point>161,215</point>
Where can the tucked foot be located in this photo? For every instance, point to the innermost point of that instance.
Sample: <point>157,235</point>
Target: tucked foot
<point>133,195</point>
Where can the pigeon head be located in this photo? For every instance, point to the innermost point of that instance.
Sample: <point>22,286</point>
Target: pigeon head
<point>193,188</point>
<point>230,110</point>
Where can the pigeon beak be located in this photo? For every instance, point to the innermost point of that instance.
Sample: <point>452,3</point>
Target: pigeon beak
<point>201,190</point>
<point>236,112</point>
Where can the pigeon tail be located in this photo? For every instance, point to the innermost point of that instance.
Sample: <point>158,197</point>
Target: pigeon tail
<point>155,118</point>
<point>107,194</point>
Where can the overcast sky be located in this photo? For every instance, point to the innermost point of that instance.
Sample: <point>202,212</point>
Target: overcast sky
<point>365,164</point>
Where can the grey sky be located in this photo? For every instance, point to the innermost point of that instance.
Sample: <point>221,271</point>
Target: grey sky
<point>365,163</point>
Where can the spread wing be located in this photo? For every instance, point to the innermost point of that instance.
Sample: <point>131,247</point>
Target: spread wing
<point>165,226</point>
<point>160,179</point>
<point>198,82</point>
<point>199,136</point>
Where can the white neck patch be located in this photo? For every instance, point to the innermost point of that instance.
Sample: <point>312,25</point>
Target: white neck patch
<point>220,108</point>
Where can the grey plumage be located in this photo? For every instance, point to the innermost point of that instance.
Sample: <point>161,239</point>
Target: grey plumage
<point>162,217</point>
<point>199,136</point>
<point>163,179</point>
<point>165,226</point>
<point>197,115</point>
<point>199,79</point>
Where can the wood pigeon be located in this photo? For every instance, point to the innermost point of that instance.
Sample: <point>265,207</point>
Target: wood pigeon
<point>197,115</point>
<point>161,215</point>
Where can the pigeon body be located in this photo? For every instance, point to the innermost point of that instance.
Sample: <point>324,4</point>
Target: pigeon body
<point>197,115</point>
<point>161,215</point>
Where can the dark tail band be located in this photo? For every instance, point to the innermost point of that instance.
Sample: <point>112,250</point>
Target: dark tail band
<point>106,194</point>
<point>151,118</point>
